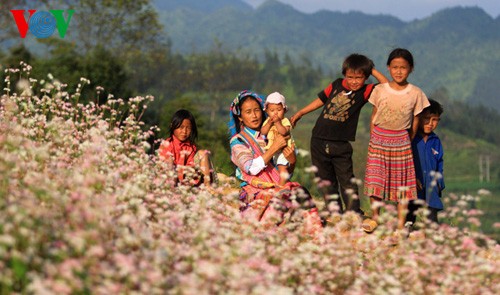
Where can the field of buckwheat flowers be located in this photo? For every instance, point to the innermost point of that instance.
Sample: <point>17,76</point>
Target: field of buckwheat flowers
<point>85,210</point>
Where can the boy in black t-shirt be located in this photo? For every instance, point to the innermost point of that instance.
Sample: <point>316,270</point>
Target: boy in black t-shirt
<point>331,150</point>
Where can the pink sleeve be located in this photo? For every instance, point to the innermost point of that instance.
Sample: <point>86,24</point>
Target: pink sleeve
<point>166,150</point>
<point>190,159</point>
<point>421,103</point>
<point>241,155</point>
<point>374,96</point>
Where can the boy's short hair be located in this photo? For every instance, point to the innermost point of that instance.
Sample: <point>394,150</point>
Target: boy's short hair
<point>358,62</point>
<point>434,107</point>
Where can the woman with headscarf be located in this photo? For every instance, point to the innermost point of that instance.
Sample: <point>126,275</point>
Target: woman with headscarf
<point>260,187</point>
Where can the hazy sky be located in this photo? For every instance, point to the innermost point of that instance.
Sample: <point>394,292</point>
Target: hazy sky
<point>403,9</point>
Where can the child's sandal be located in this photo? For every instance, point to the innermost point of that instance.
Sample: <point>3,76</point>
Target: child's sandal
<point>369,225</point>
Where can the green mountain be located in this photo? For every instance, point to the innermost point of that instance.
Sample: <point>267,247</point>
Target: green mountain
<point>457,48</point>
<point>207,6</point>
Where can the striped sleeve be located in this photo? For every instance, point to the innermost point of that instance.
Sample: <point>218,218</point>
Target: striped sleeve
<point>244,159</point>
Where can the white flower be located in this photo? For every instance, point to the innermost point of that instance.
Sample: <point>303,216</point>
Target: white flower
<point>483,192</point>
<point>303,153</point>
<point>311,169</point>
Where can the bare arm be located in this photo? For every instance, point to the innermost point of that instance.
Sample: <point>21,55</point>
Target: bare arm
<point>414,127</point>
<point>379,76</point>
<point>314,105</point>
<point>266,127</point>
<point>283,130</point>
<point>374,112</point>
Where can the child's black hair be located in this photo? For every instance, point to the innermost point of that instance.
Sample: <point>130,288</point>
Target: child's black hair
<point>358,62</point>
<point>403,53</point>
<point>176,122</point>
<point>435,107</point>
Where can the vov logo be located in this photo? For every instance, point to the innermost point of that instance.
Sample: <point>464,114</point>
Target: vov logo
<point>42,24</point>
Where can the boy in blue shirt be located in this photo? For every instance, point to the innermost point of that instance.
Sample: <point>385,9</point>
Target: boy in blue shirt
<point>428,158</point>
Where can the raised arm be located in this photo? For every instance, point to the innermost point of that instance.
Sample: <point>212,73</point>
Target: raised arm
<point>282,129</point>
<point>314,105</point>
<point>379,76</point>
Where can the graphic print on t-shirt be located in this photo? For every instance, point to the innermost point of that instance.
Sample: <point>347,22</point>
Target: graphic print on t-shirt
<point>337,109</point>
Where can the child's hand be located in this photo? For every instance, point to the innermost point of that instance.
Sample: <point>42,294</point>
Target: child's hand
<point>276,119</point>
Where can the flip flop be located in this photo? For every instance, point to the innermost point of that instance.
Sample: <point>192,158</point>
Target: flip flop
<point>369,225</point>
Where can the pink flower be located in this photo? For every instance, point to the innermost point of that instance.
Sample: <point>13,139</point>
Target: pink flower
<point>469,244</point>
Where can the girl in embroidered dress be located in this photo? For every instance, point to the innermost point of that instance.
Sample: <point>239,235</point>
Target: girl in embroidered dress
<point>390,172</point>
<point>180,151</point>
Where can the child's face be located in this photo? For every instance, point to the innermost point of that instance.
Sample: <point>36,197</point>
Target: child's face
<point>275,109</point>
<point>429,122</point>
<point>399,69</point>
<point>355,79</point>
<point>184,131</point>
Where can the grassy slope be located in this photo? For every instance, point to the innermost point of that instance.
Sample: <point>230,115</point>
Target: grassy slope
<point>461,165</point>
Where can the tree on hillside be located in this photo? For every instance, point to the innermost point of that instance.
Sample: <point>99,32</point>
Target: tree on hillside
<point>63,61</point>
<point>270,77</point>
<point>124,27</point>
<point>303,76</point>
<point>471,120</point>
<point>17,54</point>
<point>124,38</point>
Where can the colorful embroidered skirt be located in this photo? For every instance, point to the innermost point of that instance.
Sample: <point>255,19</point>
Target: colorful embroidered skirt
<point>390,172</point>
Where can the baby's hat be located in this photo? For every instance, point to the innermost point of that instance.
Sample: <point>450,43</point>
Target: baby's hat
<point>275,98</point>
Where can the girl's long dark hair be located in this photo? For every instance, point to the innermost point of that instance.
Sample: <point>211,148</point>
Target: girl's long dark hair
<point>176,122</point>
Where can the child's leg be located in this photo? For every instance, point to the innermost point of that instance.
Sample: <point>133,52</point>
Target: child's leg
<point>370,224</point>
<point>412,211</point>
<point>343,165</point>
<point>433,215</point>
<point>283,170</point>
<point>402,210</point>
<point>375,209</point>
<point>282,165</point>
<point>205,166</point>
<point>322,159</point>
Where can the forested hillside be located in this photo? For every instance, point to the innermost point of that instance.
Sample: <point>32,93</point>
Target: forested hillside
<point>456,48</point>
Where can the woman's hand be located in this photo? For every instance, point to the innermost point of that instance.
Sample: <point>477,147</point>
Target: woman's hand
<point>279,142</point>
